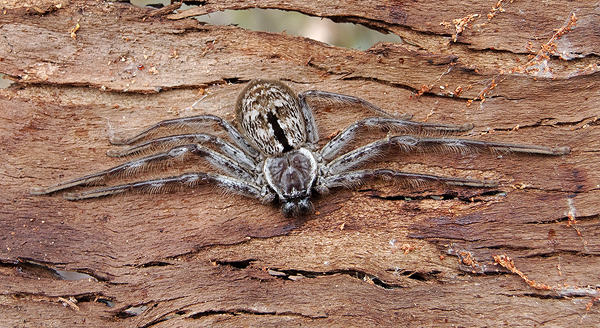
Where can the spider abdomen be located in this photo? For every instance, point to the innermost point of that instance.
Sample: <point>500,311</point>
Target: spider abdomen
<point>269,115</point>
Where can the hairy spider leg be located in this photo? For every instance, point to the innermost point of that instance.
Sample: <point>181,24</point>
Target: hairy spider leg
<point>313,133</point>
<point>217,160</point>
<point>193,122</point>
<point>353,179</point>
<point>337,97</point>
<point>339,142</point>
<point>198,138</point>
<point>466,147</point>
<point>242,164</point>
<point>408,143</point>
<point>189,180</point>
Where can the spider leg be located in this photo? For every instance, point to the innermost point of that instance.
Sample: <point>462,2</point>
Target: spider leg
<point>196,122</point>
<point>337,144</point>
<point>335,97</point>
<point>181,139</point>
<point>309,120</point>
<point>465,146</point>
<point>189,180</point>
<point>410,143</point>
<point>353,179</point>
<point>218,160</point>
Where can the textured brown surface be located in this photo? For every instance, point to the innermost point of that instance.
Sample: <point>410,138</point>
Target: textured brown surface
<point>377,256</point>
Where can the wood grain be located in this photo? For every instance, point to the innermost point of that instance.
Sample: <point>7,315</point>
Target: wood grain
<point>379,256</point>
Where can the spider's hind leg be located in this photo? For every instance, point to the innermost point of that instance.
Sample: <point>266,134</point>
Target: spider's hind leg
<point>340,98</point>
<point>338,143</point>
<point>196,123</point>
<point>408,143</point>
<point>337,97</point>
<point>182,139</point>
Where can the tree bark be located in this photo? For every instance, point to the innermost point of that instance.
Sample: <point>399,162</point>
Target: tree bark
<point>524,254</point>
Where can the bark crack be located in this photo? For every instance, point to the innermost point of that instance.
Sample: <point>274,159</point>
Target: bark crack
<point>294,275</point>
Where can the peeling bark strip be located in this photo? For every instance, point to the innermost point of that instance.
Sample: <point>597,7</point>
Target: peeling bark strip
<point>88,70</point>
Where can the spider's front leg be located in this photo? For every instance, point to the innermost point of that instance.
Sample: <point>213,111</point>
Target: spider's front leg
<point>354,179</point>
<point>217,160</point>
<point>187,180</point>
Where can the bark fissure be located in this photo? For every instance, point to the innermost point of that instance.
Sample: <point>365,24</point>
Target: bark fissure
<point>197,255</point>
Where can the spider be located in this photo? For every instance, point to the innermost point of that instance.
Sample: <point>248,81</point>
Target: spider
<point>274,154</point>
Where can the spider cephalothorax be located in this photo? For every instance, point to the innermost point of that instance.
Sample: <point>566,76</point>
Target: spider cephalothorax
<point>274,154</point>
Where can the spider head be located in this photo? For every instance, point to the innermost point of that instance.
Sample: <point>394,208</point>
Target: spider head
<point>292,175</point>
